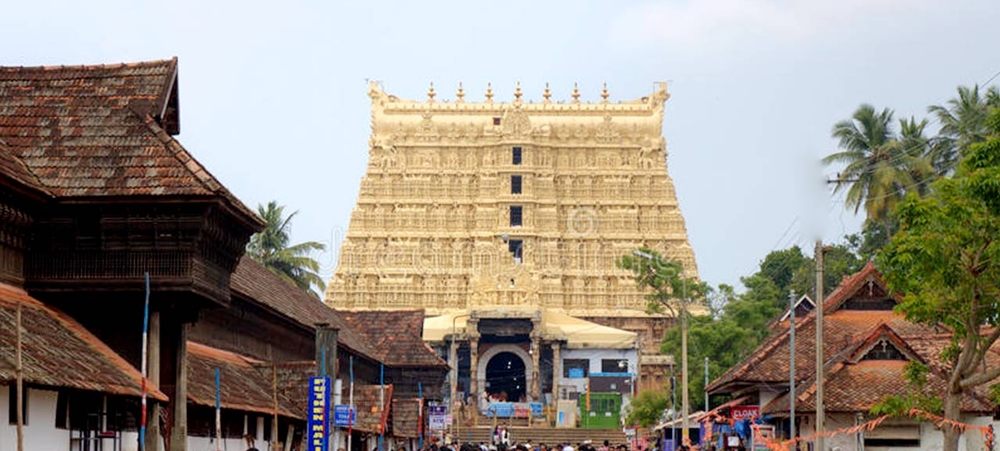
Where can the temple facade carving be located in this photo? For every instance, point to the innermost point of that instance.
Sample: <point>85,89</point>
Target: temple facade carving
<point>472,205</point>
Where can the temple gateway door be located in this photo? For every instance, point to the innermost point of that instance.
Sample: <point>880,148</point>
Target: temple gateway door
<point>505,377</point>
<point>495,377</point>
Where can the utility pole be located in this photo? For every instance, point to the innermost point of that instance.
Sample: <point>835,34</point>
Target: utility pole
<point>791,366</point>
<point>706,384</point>
<point>820,370</point>
<point>684,368</point>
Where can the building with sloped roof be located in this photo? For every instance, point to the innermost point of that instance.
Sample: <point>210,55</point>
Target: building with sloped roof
<point>96,193</point>
<point>866,347</point>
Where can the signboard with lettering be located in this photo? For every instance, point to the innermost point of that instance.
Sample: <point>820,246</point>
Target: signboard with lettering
<point>343,415</point>
<point>319,408</point>
<point>513,409</point>
<point>740,413</point>
<point>437,418</point>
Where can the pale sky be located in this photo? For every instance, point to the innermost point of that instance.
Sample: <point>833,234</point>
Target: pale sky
<point>273,94</point>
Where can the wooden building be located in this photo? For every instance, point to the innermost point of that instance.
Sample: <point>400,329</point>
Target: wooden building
<point>96,192</point>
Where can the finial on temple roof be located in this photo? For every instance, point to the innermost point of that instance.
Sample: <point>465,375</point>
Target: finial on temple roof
<point>604,93</point>
<point>517,91</point>
<point>430,93</point>
<point>460,94</point>
<point>547,94</point>
<point>489,92</point>
<point>576,93</point>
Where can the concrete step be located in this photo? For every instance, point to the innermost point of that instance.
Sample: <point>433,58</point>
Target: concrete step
<point>549,436</point>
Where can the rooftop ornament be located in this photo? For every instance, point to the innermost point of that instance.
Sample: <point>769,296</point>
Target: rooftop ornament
<point>430,93</point>
<point>489,92</point>
<point>576,93</point>
<point>604,93</point>
<point>460,94</point>
<point>547,94</point>
<point>517,92</point>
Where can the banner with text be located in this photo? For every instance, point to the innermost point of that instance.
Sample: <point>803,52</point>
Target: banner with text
<point>319,408</point>
<point>745,412</point>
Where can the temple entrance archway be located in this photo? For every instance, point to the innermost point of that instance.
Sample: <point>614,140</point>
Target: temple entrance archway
<point>492,368</point>
<point>505,377</point>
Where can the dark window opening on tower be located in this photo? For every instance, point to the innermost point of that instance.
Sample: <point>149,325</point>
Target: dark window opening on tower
<point>496,121</point>
<point>516,156</point>
<point>515,184</point>
<point>516,248</point>
<point>516,216</point>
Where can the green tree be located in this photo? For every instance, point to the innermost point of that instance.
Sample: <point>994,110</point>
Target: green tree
<point>745,320</point>
<point>879,170</point>
<point>271,248</point>
<point>669,288</point>
<point>945,260</point>
<point>647,408</point>
<point>963,123</point>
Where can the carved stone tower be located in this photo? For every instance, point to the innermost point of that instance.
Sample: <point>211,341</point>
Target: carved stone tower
<point>480,205</point>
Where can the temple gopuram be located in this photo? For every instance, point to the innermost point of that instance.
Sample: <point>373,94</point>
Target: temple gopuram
<point>503,221</point>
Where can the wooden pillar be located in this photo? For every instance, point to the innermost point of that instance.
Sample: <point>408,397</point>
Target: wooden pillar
<point>178,428</point>
<point>556,371</point>
<point>153,439</point>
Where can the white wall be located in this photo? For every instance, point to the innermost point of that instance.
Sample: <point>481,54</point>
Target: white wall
<point>40,433</point>
<point>228,444</point>
<point>595,356</point>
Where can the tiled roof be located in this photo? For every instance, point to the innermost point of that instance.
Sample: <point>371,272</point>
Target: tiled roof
<point>842,329</point>
<point>854,386</point>
<point>852,383</point>
<point>406,417</point>
<point>396,335</point>
<point>12,167</point>
<point>369,413</point>
<point>255,282</point>
<point>85,131</point>
<point>59,352</point>
<point>246,384</point>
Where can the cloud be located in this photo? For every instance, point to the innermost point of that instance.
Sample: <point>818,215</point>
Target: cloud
<point>696,25</point>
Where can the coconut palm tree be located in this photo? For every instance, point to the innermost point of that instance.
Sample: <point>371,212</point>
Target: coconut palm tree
<point>918,150</point>
<point>963,122</point>
<point>271,248</point>
<point>879,169</point>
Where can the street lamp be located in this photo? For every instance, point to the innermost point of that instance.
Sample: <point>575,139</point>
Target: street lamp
<point>684,352</point>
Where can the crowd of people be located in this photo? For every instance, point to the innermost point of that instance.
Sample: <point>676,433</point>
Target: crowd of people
<point>502,441</point>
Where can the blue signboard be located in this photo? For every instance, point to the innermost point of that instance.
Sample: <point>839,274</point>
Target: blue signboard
<point>500,409</point>
<point>343,415</point>
<point>513,409</point>
<point>576,373</point>
<point>319,406</point>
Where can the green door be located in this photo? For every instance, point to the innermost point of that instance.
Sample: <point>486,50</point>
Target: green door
<point>604,412</point>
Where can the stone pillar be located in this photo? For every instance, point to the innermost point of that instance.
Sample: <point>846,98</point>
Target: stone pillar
<point>453,363</point>
<point>535,383</point>
<point>178,428</point>
<point>473,370</point>
<point>153,440</point>
<point>326,350</point>
<point>556,371</point>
